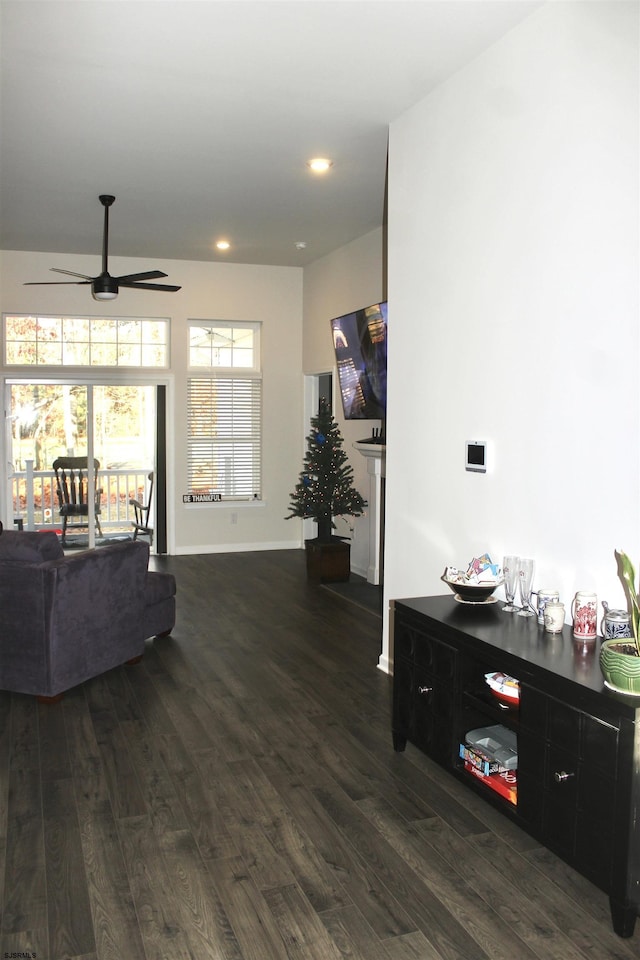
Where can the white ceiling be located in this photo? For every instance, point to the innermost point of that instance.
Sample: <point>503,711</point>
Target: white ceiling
<point>199,116</point>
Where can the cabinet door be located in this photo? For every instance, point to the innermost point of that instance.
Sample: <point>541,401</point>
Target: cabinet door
<point>403,702</point>
<point>436,656</point>
<point>433,718</point>
<point>579,811</point>
<point>559,810</point>
<point>423,684</point>
<point>404,640</point>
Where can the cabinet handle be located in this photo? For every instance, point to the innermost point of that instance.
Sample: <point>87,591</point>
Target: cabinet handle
<point>562,776</point>
<point>425,689</point>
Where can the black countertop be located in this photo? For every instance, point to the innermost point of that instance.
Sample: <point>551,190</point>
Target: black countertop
<point>522,639</point>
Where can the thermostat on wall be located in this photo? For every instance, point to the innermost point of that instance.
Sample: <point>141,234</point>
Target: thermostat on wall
<point>476,456</point>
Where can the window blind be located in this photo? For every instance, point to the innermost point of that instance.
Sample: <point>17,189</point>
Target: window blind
<point>224,441</point>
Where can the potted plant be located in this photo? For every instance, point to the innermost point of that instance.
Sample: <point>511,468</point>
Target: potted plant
<point>325,490</point>
<point>620,656</point>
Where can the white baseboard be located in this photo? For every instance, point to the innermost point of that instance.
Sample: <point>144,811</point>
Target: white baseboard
<point>249,548</point>
<point>385,664</point>
<point>237,547</point>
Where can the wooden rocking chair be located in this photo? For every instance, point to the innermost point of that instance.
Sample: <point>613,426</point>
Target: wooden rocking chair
<point>72,483</point>
<point>141,525</point>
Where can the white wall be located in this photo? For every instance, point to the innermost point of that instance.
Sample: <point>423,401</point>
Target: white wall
<point>513,285</point>
<point>347,279</point>
<point>220,291</point>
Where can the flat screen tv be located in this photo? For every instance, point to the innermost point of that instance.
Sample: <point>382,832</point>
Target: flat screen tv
<point>360,344</point>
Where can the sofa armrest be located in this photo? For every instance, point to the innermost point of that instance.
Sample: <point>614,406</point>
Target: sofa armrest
<point>98,614</point>
<point>26,601</point>
<point>70,619</point>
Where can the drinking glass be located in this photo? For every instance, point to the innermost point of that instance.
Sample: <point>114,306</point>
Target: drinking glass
<point>510,569</point>
<point>525,576</point>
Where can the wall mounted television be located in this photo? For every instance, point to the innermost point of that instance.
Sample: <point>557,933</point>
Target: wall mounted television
<point>360,344</point>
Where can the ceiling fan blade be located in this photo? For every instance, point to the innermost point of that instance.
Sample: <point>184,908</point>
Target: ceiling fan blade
<point>149,275</point>
<point>57,283</point>
<point>148,286</point>
<point>71,273</point>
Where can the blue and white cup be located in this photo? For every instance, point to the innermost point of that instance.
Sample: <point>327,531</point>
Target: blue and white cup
<point>615,624</point>
<point>545,597</point>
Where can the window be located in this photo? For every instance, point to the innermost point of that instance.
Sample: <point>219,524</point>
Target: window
<point>86,341</point>
<point>225,410</point>
<point>219,345</point>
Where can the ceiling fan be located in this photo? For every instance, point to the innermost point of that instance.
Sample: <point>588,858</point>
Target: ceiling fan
<point>104,286</point>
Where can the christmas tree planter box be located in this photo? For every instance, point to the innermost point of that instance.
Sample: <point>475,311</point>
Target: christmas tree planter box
<point>328,561</point>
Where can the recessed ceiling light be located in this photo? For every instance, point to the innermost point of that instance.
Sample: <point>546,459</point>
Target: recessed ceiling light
<point>223,244</point>
<point>320,164</point>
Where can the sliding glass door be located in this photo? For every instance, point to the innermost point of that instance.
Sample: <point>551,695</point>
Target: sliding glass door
<point>114,424</point>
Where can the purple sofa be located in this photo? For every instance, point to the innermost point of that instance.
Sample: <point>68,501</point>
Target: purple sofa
<point>67,618</point>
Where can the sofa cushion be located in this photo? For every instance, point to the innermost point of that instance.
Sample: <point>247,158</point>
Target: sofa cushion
<point>30,547</point>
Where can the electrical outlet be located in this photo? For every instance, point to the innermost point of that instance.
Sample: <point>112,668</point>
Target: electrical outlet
<point>234,518</point>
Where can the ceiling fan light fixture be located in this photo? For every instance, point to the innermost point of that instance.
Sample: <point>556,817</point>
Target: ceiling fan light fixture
<point>104,288</point>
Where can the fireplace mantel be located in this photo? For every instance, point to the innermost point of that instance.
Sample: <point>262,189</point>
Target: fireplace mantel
<point>375,454</point>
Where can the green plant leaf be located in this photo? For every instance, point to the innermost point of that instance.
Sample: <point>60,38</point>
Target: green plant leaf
<point>627,575</point>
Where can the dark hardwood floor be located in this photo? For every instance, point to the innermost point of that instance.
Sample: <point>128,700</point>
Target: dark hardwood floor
<point>235,796</point>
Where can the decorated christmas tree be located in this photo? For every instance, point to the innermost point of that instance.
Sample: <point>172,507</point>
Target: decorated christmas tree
<point>325,489</point>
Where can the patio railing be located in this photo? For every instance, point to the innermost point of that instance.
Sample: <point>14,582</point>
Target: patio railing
<point>35,504</point>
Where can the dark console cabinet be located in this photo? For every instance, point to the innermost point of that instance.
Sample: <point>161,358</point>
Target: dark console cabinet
<point>578,744</point>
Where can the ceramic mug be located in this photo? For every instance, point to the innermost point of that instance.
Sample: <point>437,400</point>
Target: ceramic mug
<point>585,615</point>
<point>615,623</point>
<point>545,597</point>
<point>554,616</point>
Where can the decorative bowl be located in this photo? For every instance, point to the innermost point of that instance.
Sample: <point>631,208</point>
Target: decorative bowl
<point>472,592</point>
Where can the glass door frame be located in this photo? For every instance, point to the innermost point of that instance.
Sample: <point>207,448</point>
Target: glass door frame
<point>162,441</point>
